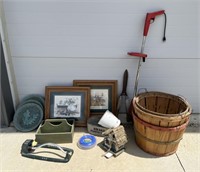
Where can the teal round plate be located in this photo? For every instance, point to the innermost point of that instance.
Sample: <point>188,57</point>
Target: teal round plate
<point>36,97</point>
<point>28,117</point>
<point>31,101</point>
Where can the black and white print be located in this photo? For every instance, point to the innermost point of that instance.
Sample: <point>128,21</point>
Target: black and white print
<point>99,99</point>
<point>67,106</point>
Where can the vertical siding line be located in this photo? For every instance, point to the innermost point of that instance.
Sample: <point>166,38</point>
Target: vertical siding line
<point>8,58</point>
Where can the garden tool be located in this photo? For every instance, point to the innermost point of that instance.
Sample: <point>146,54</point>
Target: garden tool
<point>29,147</point>
<point>124,101</point>
<point>150,17</point>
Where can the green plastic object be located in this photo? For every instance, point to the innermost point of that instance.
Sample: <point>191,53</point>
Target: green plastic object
<point>55,131</point>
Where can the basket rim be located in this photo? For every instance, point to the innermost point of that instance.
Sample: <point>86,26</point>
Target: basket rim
<point>162,117</point>
<point>166,95</point>
<point>188,110</point>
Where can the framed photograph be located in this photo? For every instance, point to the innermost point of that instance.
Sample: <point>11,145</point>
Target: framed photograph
<point>68,102</point>
<point>103,95</point>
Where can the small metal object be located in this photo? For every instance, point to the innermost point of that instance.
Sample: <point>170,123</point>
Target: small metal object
<point>108,155</point>
<point>27,150</point>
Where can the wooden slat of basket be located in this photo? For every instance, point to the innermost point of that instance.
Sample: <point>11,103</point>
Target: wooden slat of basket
<point>156,148</point>
<point>143,102</point>
<point>156,105</point>
<point>157,133</point>
<point>164,121</point>
<point>140,127</point>
<point>158,140</point>
<point>162,105</point>
<point>182,108</point>
<point>173,107</point>
<point>151,103</point>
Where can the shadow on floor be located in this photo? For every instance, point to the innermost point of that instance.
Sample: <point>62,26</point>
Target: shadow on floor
<point>132,148</point>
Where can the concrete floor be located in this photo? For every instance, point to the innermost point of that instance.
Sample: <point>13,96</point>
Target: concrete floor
<point>186,159</point>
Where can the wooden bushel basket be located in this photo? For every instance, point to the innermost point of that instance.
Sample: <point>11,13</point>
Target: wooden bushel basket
<point>162,109</point>
<point>159,141</point>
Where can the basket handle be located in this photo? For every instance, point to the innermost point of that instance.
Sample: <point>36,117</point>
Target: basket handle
<point>145,90</point>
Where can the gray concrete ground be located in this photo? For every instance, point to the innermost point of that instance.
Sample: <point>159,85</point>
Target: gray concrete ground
<point>186,159</point>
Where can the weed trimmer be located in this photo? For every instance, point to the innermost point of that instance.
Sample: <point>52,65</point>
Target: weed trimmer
<point>150,17</point>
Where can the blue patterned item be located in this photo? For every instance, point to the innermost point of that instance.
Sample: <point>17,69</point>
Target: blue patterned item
<point>28,117</point>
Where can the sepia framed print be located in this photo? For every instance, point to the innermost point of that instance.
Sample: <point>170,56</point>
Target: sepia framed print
<point>68,103</point>
<point>103,95</point>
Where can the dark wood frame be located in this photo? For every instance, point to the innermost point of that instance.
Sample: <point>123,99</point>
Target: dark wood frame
<point>101,84</point>
<point>84,92</point>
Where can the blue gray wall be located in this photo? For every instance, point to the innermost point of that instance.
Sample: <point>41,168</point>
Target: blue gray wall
<point>53,42</point>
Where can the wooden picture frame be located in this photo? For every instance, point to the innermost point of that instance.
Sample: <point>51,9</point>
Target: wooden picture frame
<point>103,95</point>
<point>68,103</point>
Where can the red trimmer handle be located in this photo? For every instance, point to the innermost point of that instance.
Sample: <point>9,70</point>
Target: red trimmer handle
<point>149,18</point>
<point>141,55</point>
